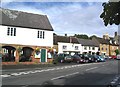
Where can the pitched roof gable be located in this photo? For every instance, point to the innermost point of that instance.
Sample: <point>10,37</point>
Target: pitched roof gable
<point>25,20</point>
<point>64,39</point>
<point>102,41</point>
<point>87,42</point>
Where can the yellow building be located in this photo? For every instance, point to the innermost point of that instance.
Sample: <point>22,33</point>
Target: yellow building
<point>103,45</point>
<point>113,46</point>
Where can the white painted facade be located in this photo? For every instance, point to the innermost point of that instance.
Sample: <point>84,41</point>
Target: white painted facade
<point>89,48</point>
<point>26,36</point>
<point>69,47</point>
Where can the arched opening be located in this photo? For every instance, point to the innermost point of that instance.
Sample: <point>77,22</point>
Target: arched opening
<point>26,54</point>
<point>8,54</point>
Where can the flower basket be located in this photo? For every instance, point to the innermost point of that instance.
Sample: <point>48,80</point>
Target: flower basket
<point>19,49</point>
<point>37,50</point>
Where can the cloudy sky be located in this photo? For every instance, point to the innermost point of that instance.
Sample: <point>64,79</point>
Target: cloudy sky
<point>68,17</point>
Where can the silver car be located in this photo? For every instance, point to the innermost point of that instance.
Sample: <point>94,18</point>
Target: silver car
<point>118,57</point>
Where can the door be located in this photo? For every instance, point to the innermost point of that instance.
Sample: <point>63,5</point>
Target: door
<point>43,55</point>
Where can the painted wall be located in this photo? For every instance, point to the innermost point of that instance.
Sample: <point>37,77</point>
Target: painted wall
<point>105,49</point>
<point>89,48</point>
<point>112,50</point>
<point>25,36</point>
<point>70,47</point>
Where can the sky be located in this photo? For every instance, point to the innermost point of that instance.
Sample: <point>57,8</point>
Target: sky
<point>68,17</point>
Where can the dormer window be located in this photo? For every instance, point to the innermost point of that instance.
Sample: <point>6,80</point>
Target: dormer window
<point>110,41</point>
<point>115,42</point>
<point>11,31</point>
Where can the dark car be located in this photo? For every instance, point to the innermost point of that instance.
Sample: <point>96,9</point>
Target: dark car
<point>68,58</point>
<point>64,58</point>
<point>78,59</point>
<point>85,57</point>
<point>100,59</point>
<point>92,58</point>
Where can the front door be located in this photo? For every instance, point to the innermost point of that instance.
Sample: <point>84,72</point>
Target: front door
<point>43,55</point>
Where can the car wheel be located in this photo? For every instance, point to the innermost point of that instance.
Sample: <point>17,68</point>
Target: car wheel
<point>78,61</point>
<point>96,61</point>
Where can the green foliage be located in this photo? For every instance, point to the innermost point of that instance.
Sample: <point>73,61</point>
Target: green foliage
<point>92,36</point>
<point>117,52</point>
<point>111,13</point>
<point>82,36</point>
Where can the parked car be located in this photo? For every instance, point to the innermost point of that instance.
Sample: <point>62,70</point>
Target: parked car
<point>85,57</point>
<point>64,58</point>
<point>92,58</point>
<point>100,59</point>
<point>106,57</point>
<point>78,59</point>
<point>68,58</point>
<point>113,57</point>
<point>118,57</point>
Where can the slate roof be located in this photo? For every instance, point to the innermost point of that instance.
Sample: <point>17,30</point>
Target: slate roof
<point>87,42</point>
<point>25,20</point>
<point>102,41</point>
<point>64,39</point>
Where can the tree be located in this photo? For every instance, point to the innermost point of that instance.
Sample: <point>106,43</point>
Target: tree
<point>82,36</point>
<point>117,51</point>
<point>111,13</point>
<point>92,36</point>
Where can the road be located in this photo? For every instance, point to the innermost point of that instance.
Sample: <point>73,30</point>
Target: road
<point>102,73</point>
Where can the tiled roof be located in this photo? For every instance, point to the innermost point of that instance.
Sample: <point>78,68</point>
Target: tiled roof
<point>102,41</point>
<point>64,39</point>
<point>87,42</point>
<point>25,20</point>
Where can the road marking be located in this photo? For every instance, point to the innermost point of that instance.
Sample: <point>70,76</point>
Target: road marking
<point>65,76</point>
<point>115,80</point>
<point>46,70</point>
<point>5,75</point>
<point>91,68</point>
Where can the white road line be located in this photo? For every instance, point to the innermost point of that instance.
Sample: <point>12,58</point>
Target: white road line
<point>91,68</point>
<point>45,70</point>
<point>5,75</point>
<point>65,76</point>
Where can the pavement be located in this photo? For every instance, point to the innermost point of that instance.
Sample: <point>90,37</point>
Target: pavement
<point>90,74</point>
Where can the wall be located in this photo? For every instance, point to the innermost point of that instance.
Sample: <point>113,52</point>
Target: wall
<point>25,36</point>
<point>70,47</point>
<point>104,46</point>
<point>87,50</point>
<point>112,49</point>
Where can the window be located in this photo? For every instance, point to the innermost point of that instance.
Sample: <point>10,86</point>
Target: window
<point>102,48</point>
<point>41,34</point>
<point>106,49</point>
<point>64,47</point>
<point>89,48</point>
<point>76,47</point>
<point>11,31</point>
<point>85,48</point>
<point>93,48</point>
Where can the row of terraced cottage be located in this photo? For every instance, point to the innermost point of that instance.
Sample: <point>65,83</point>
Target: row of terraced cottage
<point>27,38</point>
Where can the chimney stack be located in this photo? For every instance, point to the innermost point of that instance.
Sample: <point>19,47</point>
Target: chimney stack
<point>65,34</point>
<point>106,36</point>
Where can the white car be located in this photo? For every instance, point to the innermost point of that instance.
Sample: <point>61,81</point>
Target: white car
<point>118,57</point>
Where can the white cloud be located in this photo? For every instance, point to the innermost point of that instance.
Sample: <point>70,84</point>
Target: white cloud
<point>73,18</point>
